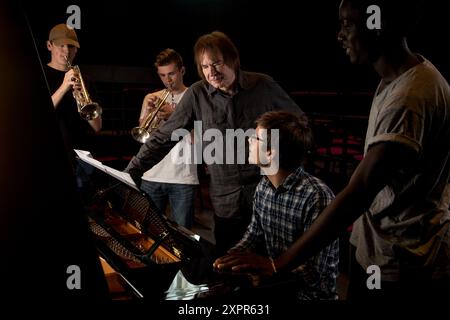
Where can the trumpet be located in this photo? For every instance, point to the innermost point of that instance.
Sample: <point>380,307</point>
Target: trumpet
<point>87,109</point>
<point>151,122</point>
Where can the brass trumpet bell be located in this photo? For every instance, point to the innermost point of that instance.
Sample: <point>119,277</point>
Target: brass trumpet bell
<point>90,111</point>
<point>140,134</point>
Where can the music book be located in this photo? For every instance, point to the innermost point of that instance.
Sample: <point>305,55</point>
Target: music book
<point>124,177</point>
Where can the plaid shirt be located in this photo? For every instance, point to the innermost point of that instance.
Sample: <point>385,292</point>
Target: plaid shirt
<point>281,216</point>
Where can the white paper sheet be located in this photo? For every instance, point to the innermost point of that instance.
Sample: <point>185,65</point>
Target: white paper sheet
<point>124,177</point>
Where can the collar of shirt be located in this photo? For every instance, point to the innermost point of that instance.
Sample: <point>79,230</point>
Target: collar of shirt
<point>243,84</point>
<point>290,182</point>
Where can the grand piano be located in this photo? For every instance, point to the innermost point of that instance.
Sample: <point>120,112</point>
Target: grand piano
<point>146,255</point>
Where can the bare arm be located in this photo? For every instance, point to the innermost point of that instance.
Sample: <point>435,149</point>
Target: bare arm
<point>375,171</point>
<point>67,84</point>
<point>148,106</point>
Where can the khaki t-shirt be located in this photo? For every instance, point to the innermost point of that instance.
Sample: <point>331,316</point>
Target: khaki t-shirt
<point>407,225</point>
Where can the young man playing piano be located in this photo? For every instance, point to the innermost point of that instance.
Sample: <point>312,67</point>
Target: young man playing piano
<point>286,202</point>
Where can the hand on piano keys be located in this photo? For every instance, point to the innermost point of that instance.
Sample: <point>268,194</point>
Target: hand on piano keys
<point>239,262</point>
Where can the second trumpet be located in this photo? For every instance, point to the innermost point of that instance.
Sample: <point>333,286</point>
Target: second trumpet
<point>87,109</point>
<point>151,122</point>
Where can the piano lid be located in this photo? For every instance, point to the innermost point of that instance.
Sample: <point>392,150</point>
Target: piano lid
<point>129,216</point>
<point>133,236</point>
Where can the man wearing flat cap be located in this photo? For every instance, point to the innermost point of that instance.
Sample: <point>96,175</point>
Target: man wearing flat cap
<point>62,80</point>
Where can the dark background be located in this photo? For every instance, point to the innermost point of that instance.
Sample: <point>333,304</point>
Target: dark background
<point>293,41</point>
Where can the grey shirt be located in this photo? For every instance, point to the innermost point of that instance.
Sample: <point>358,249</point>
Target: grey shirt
<point>232,185</point>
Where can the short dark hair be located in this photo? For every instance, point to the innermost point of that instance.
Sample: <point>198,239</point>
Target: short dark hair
<point>399,16</point>
<point>217,42</point>
<point>168,56</point>
<point>295,136</point>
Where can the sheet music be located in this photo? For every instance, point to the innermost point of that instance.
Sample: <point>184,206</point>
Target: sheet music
<point>86,156</point>
<point>124,177</point>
